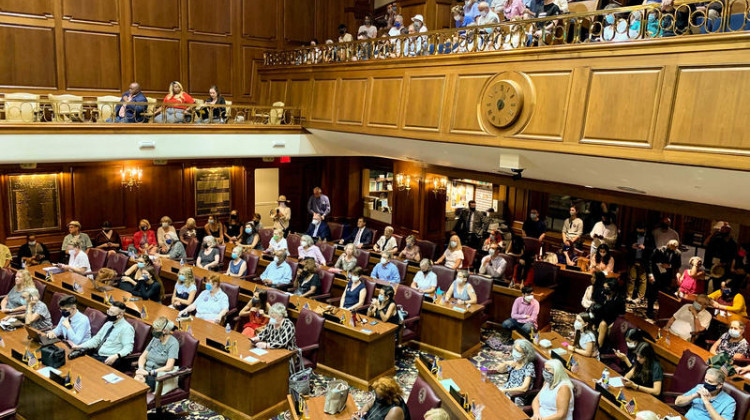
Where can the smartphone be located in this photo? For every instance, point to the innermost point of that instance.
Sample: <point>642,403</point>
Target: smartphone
<point>374,323</point>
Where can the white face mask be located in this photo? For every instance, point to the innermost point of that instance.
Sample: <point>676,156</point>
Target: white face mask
<point>578,325</point>
<point>453,244</point>
<point>355,278</point>
<point>71,252</point>
<point>631,346</point>
<point>491,252</point>
<point>276,259</point>
<point>734,333</point>
<point>528,298</point>
<point>483,13</point>
<point>165,225</point>
<point>384,261</point>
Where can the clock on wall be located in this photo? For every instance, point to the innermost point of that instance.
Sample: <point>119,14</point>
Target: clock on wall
<point>502,103</point>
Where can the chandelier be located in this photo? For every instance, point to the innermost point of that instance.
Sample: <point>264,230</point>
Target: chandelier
<point>131,178</point>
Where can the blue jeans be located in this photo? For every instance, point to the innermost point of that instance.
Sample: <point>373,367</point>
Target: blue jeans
<point>512,324</point>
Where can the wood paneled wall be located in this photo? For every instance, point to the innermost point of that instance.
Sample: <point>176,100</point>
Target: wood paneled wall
<point>673,100</point>
<point>97,47</point>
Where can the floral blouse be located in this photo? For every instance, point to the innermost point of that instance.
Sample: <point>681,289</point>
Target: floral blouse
<point>726,346</point>
<point>516,376</point>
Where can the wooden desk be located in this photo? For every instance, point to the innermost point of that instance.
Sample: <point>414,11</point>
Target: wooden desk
<point>590,370</point>
<point>316,405</point>
<point>503,298</point>
<point>43,399</point>
<point>468,378</point>
<point>215,373</point>
<point>359,354</point>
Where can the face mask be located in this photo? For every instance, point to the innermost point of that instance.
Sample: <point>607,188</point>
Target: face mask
<point>528,298</point>
<point>205,245</point>
<point>491,251</point>
<point>355,279</point>
<point>631,346</point>
<point>248,230</point>
<point>697,306</point>
<point>734,333</point>
<point>453,244</point>
<point>276,237</point>
<point>157,334</point>
<point>71,252</point>
<point>517,355</point>
<point>342,31</point>
<point>316,222</point>
<point>233,216</point>
<point>725,293</point>
<point>276,259</point>
<point>534,216</point>
<point>144,228</point>
<point>111,318</point>
<point>572,214</point>
<point>397,24</point>
<point>181,277</point>
<point>209,286</point>
<point>211,221</point>
<point>165,225</point>
<point>305,244</point>
<point>234,256</point>
<point>709,387</point>
<point>384,261</point>
<point>425,269</point>
<point>483,13</point>
<point>609,19</point>
<point>273,321</point>
<point>32,243</point>
<point>381,298</point>
<point>168,241</point>
<point>461,279</point>
<point>578,325</point>
<point>65,313</point>
<point>457,18</point>
<point>548,377</point>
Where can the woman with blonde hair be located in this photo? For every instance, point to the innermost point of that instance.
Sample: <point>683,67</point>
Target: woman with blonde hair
<point>237,267</point>
<point>174,113</point>
<point>387,404</point>
<point>185,289</point>
<point>453,255</point>
<point>165,226</point>
<point>14,301</point>
<point>555,400</point>
<point>348,260</point>
<point>411,250</point>
<point>144,240</point>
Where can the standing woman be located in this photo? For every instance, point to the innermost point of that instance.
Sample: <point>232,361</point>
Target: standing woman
<point>214,228</point>
<point>233,231</point>
<point>257,310</point>
<point>555,400</point>
<point>173,113</point>
<point>453,255</point>
<point>693,280</point>
<point>216,114</point>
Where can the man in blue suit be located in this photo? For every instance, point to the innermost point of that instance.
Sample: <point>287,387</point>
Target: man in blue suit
<point>361,236</point>
<point>318,229</point>
<point>129,113</point>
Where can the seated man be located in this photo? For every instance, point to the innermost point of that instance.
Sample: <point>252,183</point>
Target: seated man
<point>32,252</point>
<point>361,236</point>
<point>425,280</point>
<point>127,112</point>
<point>278,273</point>
<point>74,327</point>
<point>523,316</point>
<point>387,242</point>
<point>386,270</point>
<point>708,401</point>
<point>114,340</point>
<point>493,264</point>
<point>690,319</point>
<point>318,229</point>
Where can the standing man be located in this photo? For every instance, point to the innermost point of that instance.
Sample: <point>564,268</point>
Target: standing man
<point>398,22</point>
<point>662,272</point>
<point>281,215</point>
<point>128,113</point>
<point>604,232</point>
<point>533,227</point>
<point>368,28</point>
<point>572,228</point>
<point>74,232</point>
<point>319,204</point>
<point>471,225</point>
<point>721,249</point>
<point>639,252</point>
<point>664,233</point>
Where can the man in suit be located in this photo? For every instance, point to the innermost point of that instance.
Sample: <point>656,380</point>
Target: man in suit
<point>318,229</point>
<point>662,271</point>
<point>471,225</point>
<point>126,113</point>
<point>361,236</point>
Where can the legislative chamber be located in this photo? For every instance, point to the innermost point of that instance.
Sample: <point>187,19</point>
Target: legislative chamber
<point>374,209</point>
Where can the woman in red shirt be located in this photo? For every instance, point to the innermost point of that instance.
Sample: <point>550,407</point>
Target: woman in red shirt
<point>144,240</point>
<point>174,113</point>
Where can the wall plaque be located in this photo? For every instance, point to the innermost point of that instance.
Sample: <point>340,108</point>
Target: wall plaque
<point>34,202</point>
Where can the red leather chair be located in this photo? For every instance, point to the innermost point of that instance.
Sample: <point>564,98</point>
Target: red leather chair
<point>141,340</point>
<point>337,230</point>
<point>233,293</point>
<point>54,307</point>
<point>252,265</point>
<point>265,237</point>
<point>545,274</point>
<point>374,238</point>
<point>617,341</point>
<point>532,245</point>
<point>117,262</point>
<point>689,372</point>
<point>40,287</point>
<point>277,296</point>
<point>401,266</point>
<point>293,265</point>
<point>191,250</point>
<point>469,255</point>
<point>10,383</point>
<point>185,361</point>
<point>510,266</point>
<point>445,276</point>
<point>307,332</point>
<point>586,401</point>
<point>483,289</point>
<point>411,301</point>
<point>96,319</point>
<point>97,259</point>
<point>363,259</point>
<point>7,281</point>
<point>426,248</point>
<point>421,399</point>
<point>741,398</point>
<point>326,283</point>
<point>328,251</point>
<point>292,242</point>
<point>222,250</point>
<point>399,243</point>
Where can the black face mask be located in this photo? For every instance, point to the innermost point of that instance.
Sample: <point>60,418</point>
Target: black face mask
<point>709,387</point>
<point>233,217</point>
<point>342,31</point>
<point>65,313</point>
<point>144,228</point>
<point>111,318</point>
<point>205,245</point>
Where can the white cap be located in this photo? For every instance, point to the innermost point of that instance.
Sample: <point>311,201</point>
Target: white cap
<point>418,17</point>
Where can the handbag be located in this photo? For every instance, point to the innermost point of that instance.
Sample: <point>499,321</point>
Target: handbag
<point>299,380</point>
<point>722,361</point>
<point>337,394</point>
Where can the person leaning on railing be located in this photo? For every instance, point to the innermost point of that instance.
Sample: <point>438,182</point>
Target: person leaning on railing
<point>125,113</point>
<point>173,113</point>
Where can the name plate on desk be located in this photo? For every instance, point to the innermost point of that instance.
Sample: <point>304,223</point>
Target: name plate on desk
<point>244,291</point>
<point>56,378</point>
<point>215,344</point>
<point>17,355</point>
<point>97,298</point>
<point>40,275</point>
<point>68,286</point>
<point>174,269</point>
<point>133,312</point>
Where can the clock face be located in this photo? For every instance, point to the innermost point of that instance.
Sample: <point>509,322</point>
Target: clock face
<point>502,103</point>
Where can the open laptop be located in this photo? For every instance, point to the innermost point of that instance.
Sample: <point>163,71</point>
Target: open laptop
<point>40,337</point>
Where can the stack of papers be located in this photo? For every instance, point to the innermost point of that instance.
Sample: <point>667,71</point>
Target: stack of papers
<point>46,370</point>
<point>111,378</point>
<point>259,352</point>
<point>448,384</point>
<point>616,382</point>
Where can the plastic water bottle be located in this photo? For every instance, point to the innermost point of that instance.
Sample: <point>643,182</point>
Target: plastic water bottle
<point>605,378</point>
<point>228,329</point>
<point>182,262</point>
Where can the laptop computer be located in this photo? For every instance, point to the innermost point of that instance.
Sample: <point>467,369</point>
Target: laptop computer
<point>562,360</point>
<point>40,337</point>
<point>607,394</point>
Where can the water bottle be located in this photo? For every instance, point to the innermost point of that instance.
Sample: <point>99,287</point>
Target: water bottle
<point>605,378</point>
<point>228,329</point>
<point>182,262</point>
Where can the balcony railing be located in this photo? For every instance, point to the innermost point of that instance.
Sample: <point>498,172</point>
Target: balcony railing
<point>643,22</point>
<point>29,109</point>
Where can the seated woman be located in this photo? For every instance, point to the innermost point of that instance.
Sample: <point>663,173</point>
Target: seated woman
<point>555,400</point>
<point>647,374</point>
<point>237,267</point>
<point>732,342</point>
<point>600,326</point>
<point>188,232</point>
<point>307,281</point>
<point>603,260</point>
<point>411,250</point>
<point>693,279</point>
<point>383,307</point>
<point>279,333</point>
<point>212,304</point>
<point>520,370</point>
<point>144,240</point>
<point>453,257</point>
<point>14,300</point>
<point>214,228</point>
<point>387,404</point>
<point>37,314</point>
<point>165,227</point>
<point>173,113</point>
<point>425,280</point>
<point>160,354</point>
<point>108,239</point>
<point>233,231</point>
<point>461,290</point>
<point>355,292</point>
<point>585,343</point>
<point>213,114</point>
<point>175,249</point>
<point>251,238</point>
<point>209,256</point>
<point>386,243</point>
<point>633,337</point>
<point>308,249</point>
<point>184,290</point>
<point>277,242</point>
<point>593,292</point>
<point>149,287</point>
<point>135,272</point>
<point>78,261</point>
<point>257,311</point>
<point>729,298</point>
<point>348,260</point>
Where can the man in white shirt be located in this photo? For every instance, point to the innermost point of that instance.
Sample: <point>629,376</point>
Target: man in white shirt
<point>664,233</point>
<point>368,28</point>
<point>493,264</point>
<point>572,228</point>
<point>604,232</point>
<point>419,27</point>
<point>487,16</point>
<point>398,22</point>
<point>690,318</point>
<point>79,261</point>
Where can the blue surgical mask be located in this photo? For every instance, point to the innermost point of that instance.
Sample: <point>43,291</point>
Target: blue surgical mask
<point>248,230</point>
<point>397,24</point>
<point>381,298</point>
<point>209,286</point>
<point>578,325</point>
<point>273,321</point>
<point>517,355</point>
<point>168,241</point>
<point>234,255</point>
<point>141,265</point>
<point>181,277</point>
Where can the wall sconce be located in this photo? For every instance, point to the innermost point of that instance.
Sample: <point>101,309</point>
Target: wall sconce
<point>403,182</point>
<point>439,185</point>
<point>131,178</point>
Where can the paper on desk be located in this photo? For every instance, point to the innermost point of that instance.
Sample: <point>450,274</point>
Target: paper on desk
<point>366,331</point>
<point>560,351</point>
<point>259,352</point>
<point>46,370</point>
<point>250,359</point>
<point>111,378</point>
<point>616,382</point>
<point>456,308</point>
<point>448,383</point>
<point>672,417</point>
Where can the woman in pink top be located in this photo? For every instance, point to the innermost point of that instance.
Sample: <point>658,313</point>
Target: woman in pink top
<point>513,9</point>
<point>692,281</point>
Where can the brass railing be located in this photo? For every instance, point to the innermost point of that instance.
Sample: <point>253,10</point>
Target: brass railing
<point>34,110</point>
<point>685,18</point>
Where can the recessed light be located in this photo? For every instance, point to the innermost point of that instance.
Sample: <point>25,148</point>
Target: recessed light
<point>631,190</point>
<point>588,186</point>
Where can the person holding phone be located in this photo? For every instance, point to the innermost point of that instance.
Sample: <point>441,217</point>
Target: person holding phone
<point>646,375</point>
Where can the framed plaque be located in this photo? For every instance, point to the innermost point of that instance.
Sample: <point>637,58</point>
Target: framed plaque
<point>34,202</point>
<point>213,191</point>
